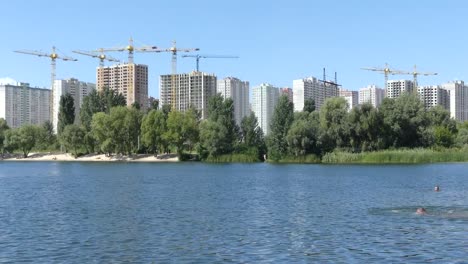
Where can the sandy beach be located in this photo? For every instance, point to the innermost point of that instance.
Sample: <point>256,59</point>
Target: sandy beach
<point>92,157</point>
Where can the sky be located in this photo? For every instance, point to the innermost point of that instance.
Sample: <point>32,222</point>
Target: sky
<point>276,41</point>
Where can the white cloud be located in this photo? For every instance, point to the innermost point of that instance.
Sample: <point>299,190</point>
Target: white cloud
<point>8,80</point>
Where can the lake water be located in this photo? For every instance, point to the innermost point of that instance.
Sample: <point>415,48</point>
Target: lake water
<point>247,213</point>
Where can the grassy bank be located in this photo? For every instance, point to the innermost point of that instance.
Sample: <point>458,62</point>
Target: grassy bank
<point>234,158</point>
<point>409,156</point>
<point>300,159</point>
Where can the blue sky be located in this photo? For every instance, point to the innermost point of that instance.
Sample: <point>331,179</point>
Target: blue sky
<point>277,41</point>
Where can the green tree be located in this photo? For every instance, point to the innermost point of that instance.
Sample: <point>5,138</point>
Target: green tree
<point>252,134</point>
<point>181,128</point>
<point>47,138</point>
<point>405,121</point>
<point>153,128</point>
<point>73,137</point>
<point>100,127</point>
<point>25,138</point>
<point>309,105</point>
<point>132,125</point>
<point>136,105</point>
<point>91,104</point>
<point>366,128</point>
<point>110,98</point>
<point>66,114</point>
<point>334,124</point>
<point>3,128</point>
<point>281,121</point>
<point>443,136</point>
<point>303,135</point>
<point>462,135</point>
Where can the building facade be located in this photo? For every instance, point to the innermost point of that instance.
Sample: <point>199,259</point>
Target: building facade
<point>288,92</point>
<point>434,95</point>
<point>371,94</point>
<point>458,100</point>
<point>78,91</point>
<point>397,87</point>
<point>21,104</point>
<point>312,88</point>
<point>264,100</point>
<point>190,90</point>
<point>131,80</point>
<point>238,91</point>
<point>352,97</point>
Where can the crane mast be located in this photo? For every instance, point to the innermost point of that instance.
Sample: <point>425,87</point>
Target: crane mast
<point>415,74</point>
<point>386,71</point>
<point>129,48</point>
<point>53,57</point>
<point>102,57</point>
<point>174,50</point>
<point>198,57</point>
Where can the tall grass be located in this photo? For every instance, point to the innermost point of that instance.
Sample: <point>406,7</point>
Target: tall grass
<point>311,158</point>
<point>240,158</point>
<point>399,156</point>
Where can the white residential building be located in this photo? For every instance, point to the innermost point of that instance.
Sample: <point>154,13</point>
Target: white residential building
<point>190,90</point>
<point>21,104</point>
<point>238,91</point>
<point>312,88</point>
<point>352,97</point>
<point>78,91</point>
<point>458,93</point>
<point>396,87</point>
<point>264,100</point>
<point>371,94</point>
<point>433,96</point>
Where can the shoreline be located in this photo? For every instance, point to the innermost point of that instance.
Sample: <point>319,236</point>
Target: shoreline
<point>67,157</point>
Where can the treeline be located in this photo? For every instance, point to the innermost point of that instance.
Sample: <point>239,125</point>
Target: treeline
<point>107,125</point>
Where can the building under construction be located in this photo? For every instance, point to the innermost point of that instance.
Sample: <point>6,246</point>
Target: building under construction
<point>131,80</point>
<point>186,90</point>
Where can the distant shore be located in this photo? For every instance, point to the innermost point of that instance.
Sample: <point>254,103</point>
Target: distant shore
<point>92,157</point>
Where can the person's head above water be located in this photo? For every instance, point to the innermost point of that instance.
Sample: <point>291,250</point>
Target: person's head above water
<point>421,211</point>
<point>437,188</point>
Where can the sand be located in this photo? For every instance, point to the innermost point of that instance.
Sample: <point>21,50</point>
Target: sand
<point>92,157</point>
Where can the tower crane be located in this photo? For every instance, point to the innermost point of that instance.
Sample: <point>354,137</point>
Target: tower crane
<point>415,74</point>
<point>386,71</point>
<point>198,57</point>
<point>174,51</point>
<point>53,57</point>
<point>130,48</point>
<point>101,56</point>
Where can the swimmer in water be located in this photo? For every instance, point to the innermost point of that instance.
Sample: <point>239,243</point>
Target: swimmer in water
<point>421,211</point>
<point>436,188</point>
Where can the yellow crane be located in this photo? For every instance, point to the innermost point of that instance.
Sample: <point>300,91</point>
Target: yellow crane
<point>130,48</point>
<point>386,71</point>
<point>174,51</point>
<point>415,74</point>
<point>100,56</point>
<point>53,57</point>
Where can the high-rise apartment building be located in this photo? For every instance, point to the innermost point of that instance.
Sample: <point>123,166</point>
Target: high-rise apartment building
<point>434,95</point>
<point>78,91</point>
<point>238,91</point>
<point>396,87</point>
<point>458,94</point>
<point>264,100</point>
<point>371,94</point>
<point>190,90</point>
<point>131,80</point>
<point>288,92</point>
<point>352,97</point>
<point>312,88</point>
<point>21,104</point>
